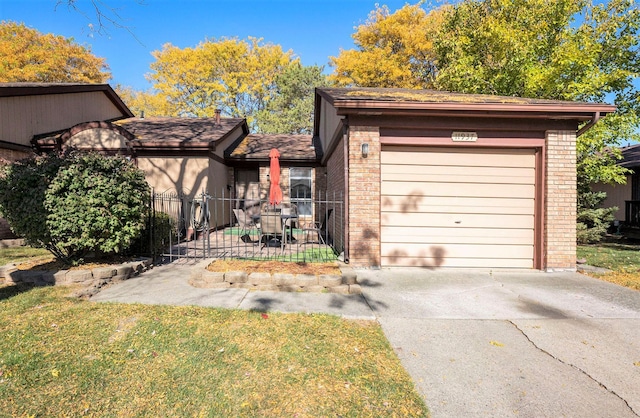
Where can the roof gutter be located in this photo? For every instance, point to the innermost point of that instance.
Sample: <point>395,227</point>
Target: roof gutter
<point>585,128</point>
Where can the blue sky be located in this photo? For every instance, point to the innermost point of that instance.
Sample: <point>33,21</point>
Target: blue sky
<point>312,29</point>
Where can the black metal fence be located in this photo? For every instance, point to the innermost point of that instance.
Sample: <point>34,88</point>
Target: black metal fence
<point>632,213</point>
<point>222,226</point>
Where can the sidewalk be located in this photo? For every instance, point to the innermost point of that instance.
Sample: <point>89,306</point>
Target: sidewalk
<point>168,285</point>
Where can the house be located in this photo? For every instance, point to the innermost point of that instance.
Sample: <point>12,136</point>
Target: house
<point>626,197</point>
<point>435,179</point>
<point>428,178</point>
<point>188,156</point>
<point>31,109</point>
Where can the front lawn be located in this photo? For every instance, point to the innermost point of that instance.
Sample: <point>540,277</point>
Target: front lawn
<point>618,255</point>
<point>20,254</point>
<point>67,357</point>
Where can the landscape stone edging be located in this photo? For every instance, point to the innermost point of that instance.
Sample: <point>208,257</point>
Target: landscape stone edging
<point>92,279</point>
<point>345,283</point>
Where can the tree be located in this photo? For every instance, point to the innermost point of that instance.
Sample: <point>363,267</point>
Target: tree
<point>104,15</point>
<point>145,103</point>
<point>75,204</point>
<point>236,76</point>
<point>290,107</point>
<point>27,55</point>
<point>393,50</point>
<point>554,49</point>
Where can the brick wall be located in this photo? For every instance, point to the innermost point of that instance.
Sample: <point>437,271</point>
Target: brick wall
<point>265,183</point>
<point>364,197</point>
<point>335,187</point>
<point>560,199</point>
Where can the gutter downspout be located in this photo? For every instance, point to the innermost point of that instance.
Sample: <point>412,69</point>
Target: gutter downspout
<point>585,128</point>
<point>345,150</point>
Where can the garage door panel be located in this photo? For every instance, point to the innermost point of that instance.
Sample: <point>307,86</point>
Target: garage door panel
<point>433,262</point>
<point>457,189</point>
<point>459,178</point>
<point>431,236</point>
<point>396,172</point>
<point>450,157</point>
<point>458,207</point>
<point>459,250</point>
<point>457,221</point>
<point>457,204</point>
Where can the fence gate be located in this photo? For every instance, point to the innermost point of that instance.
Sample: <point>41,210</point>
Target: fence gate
<point>221,226</point>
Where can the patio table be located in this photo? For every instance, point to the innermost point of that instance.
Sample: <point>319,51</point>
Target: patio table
<point>285,218</point>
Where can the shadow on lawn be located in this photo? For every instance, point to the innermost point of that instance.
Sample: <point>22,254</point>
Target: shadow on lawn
<point>9,291</point>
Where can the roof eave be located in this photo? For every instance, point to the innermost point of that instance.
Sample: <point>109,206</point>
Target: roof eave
<point>35,89</point>
<point>568,110</point>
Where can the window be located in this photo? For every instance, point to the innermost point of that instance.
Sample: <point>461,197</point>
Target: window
<point>300,189</point>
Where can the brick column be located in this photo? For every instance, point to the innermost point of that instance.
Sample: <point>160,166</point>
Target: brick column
<point>364,197</point>
<point>561,196</point>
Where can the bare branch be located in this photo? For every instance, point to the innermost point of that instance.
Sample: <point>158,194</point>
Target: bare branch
<point>103,17</point>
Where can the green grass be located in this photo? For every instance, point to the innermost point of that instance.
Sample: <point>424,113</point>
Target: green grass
<point>68,357</point>
<point>622,257</point>
<point>20,254</point>
<point>612,255</point>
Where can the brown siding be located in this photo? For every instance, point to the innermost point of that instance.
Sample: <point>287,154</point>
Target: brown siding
<point>97,140</point>
<point>171,174</point>
<point>616,196</point>
<point>328,124</point>
<point>13,155</point>
<point>22,117</point>
<point>560,213</point>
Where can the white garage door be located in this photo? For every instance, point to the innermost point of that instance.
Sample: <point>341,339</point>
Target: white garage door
<point>444,207</point>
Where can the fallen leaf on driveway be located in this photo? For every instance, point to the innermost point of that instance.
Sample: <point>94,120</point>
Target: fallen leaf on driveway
<point>496,343</point>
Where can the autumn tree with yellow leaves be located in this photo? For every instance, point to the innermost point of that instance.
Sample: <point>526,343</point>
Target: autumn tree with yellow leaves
<point>27,55</point>
<point>583,50</point>
<point>393,50</point>
<point>236,76</point>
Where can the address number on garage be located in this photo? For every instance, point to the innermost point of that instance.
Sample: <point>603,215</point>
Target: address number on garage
<point>464,136</point>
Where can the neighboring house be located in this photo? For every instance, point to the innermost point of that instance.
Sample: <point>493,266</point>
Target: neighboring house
<point>436,179</point>
<point>188,156</point>
<point>429,179</point>
<point>626,197</point>
<point>31,109</point>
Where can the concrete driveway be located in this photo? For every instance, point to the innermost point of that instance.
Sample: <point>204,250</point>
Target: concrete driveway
<point>505,344</point>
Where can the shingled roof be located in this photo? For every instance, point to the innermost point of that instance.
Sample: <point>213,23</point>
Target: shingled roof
<point>180,132</point>
<point>365,100</point>
<point>256,147</point>
<point>630,156</point>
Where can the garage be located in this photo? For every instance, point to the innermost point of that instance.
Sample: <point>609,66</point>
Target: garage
<point>436,179</point>
<point>464,207</point>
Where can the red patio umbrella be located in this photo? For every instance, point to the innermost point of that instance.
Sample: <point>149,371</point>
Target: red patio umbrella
<point>275,192</point>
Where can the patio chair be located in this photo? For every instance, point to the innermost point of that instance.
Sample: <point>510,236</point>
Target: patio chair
<point>319,228</point>
<point>270,226</point>
<point>290,221</point>
<point>246,223</point>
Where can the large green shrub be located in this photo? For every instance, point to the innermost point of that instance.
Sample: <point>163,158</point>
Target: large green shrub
<point>76,204</point>
<point>158,234</point>
<point>23,186</point>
